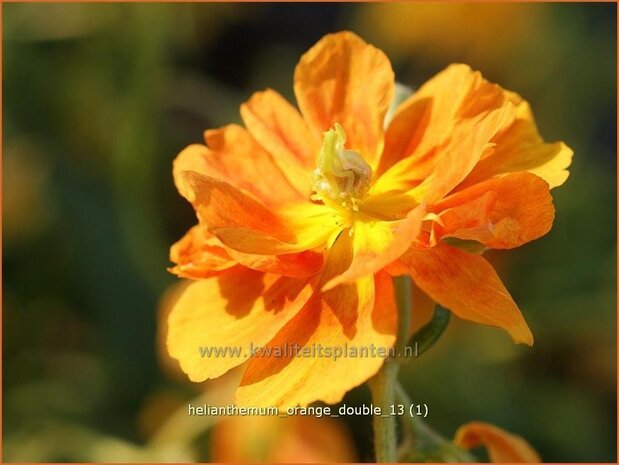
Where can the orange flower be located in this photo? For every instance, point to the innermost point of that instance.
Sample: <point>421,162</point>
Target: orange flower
<point>436,32</point>
<point>305,216</point>
<point>502,446</point>
<point>270,439</point>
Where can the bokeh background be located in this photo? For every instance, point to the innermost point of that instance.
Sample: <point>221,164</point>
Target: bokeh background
<point>98,100</point>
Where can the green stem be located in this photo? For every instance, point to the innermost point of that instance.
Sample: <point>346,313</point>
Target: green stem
<point>383,396</point>
<point>428,444</point>
<point>422,431</point>
<point>383,385</point>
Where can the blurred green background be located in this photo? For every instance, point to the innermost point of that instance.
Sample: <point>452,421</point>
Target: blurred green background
<point>98,100</point>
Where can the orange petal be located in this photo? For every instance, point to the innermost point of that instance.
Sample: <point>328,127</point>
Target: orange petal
<point>280,130</point>
<point>470,142</point>
<point>501,213</point>
<point>520,148</point>
<point>295,265</point>
<point>358,315</point>
<point>315,440</point>
<point>168,365</point>
<point>422,309</point>
<point>271,439</point>
<point>426,120</point>
<point>233,310</point>
<point>235,157</point>
<point>468,286</point>
<point>344,80</point>
<point>378,243</point>
<point>447,118</point>
<point>502,446</point>
<point>235,218</point>
<point>245,225</point>
<point>199,254</point>
<point>410,182</point>
<point>405,132</point>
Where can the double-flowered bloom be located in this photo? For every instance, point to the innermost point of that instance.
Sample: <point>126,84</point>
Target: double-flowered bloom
<point>305,215</point>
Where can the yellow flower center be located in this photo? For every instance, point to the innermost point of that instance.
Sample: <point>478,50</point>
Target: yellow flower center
<point>343,177</point>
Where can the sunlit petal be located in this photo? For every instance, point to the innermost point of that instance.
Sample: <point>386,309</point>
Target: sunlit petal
<point>344,80</point>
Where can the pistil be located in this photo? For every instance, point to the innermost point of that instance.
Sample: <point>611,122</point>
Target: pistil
<point>342,177</point>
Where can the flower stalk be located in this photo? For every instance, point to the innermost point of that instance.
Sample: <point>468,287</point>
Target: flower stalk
<point>426,444</point>
<point>384,384</point>
<point>383,396</point>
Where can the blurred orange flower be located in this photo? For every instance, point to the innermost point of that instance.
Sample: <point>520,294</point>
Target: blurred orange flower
<point>438,32</point>
<point>268,439</point>
<point>305,216</point>
<point>502,446</point>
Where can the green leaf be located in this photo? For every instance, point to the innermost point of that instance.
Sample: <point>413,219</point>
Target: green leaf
<point>427,336</point>
<point>466,245</point>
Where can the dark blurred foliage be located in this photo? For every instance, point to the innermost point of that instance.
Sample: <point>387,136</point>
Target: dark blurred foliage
<point>98,100</point>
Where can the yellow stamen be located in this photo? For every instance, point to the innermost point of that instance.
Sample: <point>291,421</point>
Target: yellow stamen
<point>342,177</point>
